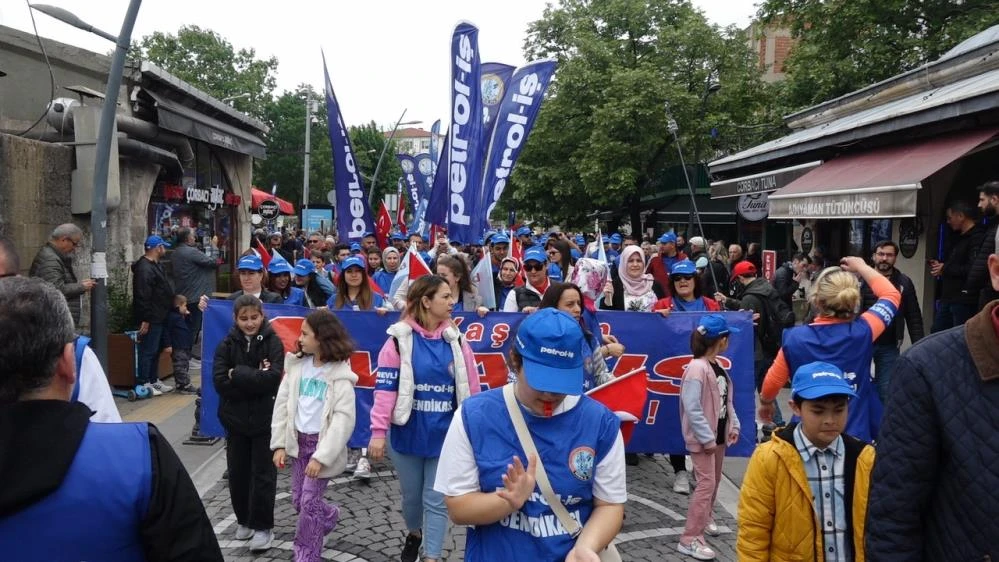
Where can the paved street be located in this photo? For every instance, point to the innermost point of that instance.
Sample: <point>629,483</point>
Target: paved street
<point>371,526</point>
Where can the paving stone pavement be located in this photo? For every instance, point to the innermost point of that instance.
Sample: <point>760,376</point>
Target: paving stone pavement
<point>371,527</point>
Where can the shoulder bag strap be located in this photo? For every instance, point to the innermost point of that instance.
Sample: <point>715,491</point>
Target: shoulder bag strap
<point>527,443</point>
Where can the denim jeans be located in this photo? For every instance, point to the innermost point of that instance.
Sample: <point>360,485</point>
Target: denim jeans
<point>149,354</point>
<point>422,506</point>
<point>761,366</point>
<point>884,363</point>
<point>951,314</point>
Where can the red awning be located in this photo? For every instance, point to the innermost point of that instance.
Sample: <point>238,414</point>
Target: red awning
<point>259,195</point>
<point>881,183</point>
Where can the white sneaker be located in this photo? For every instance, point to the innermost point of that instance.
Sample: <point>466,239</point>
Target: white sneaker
<point>697,549</point>
<point>681,484</point>
<point>261,540</point>
<point>152,389</point>
<point>712,529</point>
<point>243,532</point>
<point>363,469</point>
<point>162,386</point>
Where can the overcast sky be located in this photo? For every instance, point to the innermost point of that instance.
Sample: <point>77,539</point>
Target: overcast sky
<point>384,55</point>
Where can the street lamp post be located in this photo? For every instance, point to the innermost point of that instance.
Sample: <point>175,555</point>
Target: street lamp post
<point>98,210</point>
<point>309,110</point>
<point>378,166</point>
<point>236,97</point>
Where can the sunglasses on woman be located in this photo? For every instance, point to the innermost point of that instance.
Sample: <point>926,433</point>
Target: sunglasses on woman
<point>682,277</point>
<point>533,266</point>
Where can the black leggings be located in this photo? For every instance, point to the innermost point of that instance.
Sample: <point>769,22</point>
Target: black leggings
<point>679,463</point>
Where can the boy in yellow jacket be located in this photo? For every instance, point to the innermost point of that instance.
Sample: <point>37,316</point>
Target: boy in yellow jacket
<point>804,496</point>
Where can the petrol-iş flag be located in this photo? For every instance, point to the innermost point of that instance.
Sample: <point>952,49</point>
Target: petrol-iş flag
<point>484,279</point>
<point>384,226</point>
<point>353,215</point>
<point>465,153</point>
<point>435,154</point>
<point>494,83</point>
<point>411,178</point>
<point>436,208</point>
<point>514,120</point>
<point>424,174</point>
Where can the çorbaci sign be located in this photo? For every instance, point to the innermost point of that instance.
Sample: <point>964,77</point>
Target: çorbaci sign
<point>269,209</point>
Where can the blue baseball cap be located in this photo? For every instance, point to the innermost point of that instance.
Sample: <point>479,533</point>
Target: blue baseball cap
<point>499,239</point>
<point>304,268</point>
<point>366,234</point>
<point>550,343</point>
<point>277,267</point>
<point>714,326</point>
<point>250,263</point>
<point>352,261</point>
<point>154,241</point>
<point>397,236</point>
<point>818,379</point>
<point>615,238</point>
<point>523,231</point>
<point>605,239</point>
<point>667,238</point>
<point>479,242</point>
<point>580,240</point>
<point>543,240</point>
<point>355,247</point>
<point>535,253</point>
<point>683,267</point>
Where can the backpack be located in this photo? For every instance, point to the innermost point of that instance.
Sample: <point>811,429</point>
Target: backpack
<point>775,317</point>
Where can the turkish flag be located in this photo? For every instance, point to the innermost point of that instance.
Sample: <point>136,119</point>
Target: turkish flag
<point>265,254</point>
<point>383,226</point>
<point>625,396</point>
<point>417,267</point>
<point>400,215</point>
<point>517,253</point>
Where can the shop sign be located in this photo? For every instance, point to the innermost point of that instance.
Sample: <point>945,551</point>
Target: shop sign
<point>754,207</point>
<point>908,239</point>
<point>268,209</point>
<point>874,205</point>
<point>760,183</point>
<point>769,264</point>
<point>232,200</point>
<point>807,240</point>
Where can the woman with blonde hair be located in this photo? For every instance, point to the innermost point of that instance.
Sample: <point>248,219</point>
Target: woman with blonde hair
<point>840,335</point>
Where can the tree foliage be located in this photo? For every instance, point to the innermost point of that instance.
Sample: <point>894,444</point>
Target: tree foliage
<point>602,137</point>
<point>845,45</point>
<point>210,62</point>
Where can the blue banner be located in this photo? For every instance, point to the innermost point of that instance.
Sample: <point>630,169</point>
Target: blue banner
<point>514,121</point>
<point>495,81</point>
<point>435,152</point>
<point>465,151</point>
<point>659,346</point>
<point>411,179</point>
<point>424,173</point>
<point>353,215</point>
<point>436,212</point>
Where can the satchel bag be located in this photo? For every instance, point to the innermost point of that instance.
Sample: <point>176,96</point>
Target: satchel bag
<point>609,554</point>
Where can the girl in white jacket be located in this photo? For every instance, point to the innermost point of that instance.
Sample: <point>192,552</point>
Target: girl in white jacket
<point>313,418</point>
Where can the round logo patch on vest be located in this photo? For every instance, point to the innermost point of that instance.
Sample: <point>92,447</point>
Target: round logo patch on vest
<point>581,463</point>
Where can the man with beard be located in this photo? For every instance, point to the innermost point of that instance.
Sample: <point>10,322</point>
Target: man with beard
<point>978,285</point>
<point>958,296</point>
<point>886,347</point>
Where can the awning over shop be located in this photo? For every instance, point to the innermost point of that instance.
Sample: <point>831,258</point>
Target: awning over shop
<point>258,195</point>
<point>178,118</point>
<point>760,183</point>
<point>880,183</point>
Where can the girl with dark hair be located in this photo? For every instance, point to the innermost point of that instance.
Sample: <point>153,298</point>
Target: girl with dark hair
<point>280,282</point>
<point>425,370</point>
<point>559,260</point>
<point>353,289</point>
<point>246,373</point>
<point>569,299</point>
<point>314,416</point>
<point>459,278</point>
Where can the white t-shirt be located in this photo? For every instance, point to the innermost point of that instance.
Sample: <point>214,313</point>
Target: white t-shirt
<point>311,398</point>
<point>95,391</point>
<point>460,474</point>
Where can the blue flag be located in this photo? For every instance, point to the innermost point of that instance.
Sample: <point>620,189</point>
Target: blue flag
<point>353,215</point>
<point>411,179</point>
<point>435,152</point>
<point>424,173</point>
<point>495,81</point>
<point>465,152</point>
<point>436,211</point>
<point>514,121</point>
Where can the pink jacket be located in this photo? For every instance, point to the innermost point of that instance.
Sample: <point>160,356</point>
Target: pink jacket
<point>381,411</point>
<point>700,399</point>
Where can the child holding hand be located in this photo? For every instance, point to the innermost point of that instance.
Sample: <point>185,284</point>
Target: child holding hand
<point>313,419</point>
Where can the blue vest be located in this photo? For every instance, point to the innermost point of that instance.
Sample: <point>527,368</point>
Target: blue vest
<point>571,445</point>
<point>848,346</point>
<point>97,511</point>
<point>434,400</point>
<point>297,297</point>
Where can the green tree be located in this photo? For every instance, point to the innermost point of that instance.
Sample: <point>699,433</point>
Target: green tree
<point>368,141</point>
<point>601,137</point>
<point>845,45</point>
<point>207,60</point>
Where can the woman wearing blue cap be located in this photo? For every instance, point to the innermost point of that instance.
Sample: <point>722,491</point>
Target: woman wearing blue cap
<point>353,289</point>
<point>318,288</point>
<point>685,289</point>
<point>528,297</point>
<point>709,424</point>
<point>279,281</point>
<point>251,281</point>
<point>576,458</point>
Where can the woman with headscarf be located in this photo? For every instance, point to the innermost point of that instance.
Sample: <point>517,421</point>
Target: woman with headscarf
<point>506,279</point>
<point>631,289</point>
<point>390,266</point>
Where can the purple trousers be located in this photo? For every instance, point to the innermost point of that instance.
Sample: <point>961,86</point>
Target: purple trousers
<point>316,518</point>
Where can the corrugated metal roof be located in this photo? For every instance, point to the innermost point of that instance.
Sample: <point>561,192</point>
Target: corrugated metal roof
<point>962,90</point>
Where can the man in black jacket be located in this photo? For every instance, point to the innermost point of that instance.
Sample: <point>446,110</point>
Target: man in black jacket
<point>957,301</point>
<point>935,486</point>
<point>887,345</point>
<point>978,286</point>
<point>788,277</point>
<point>152,299</point>
<point>76,490</point>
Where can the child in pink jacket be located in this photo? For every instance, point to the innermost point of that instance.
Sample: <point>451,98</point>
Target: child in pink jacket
<point>709,423</point>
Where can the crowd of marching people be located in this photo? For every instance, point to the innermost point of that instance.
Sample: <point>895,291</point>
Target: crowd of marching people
<point>494,460</point>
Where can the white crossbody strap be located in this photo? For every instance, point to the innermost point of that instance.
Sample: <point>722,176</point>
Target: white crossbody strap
<point>527,443</point>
